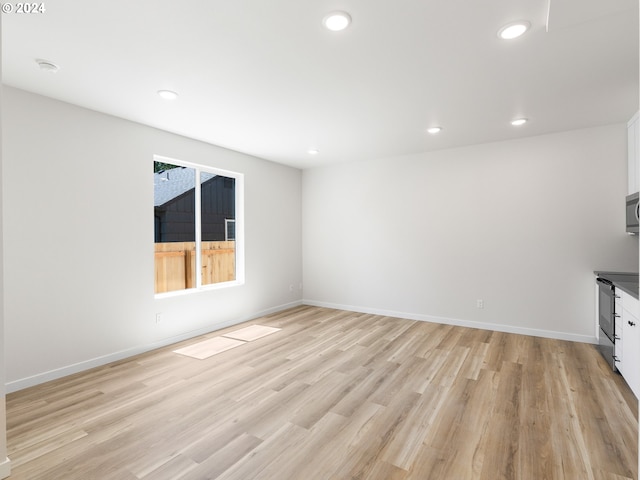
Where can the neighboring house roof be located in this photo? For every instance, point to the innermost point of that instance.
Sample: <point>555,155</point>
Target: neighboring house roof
<point>170,184</point>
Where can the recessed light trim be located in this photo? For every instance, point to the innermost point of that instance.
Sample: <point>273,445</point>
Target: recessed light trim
<point>47,66</point>
<point>519,121</point>
<point>336,21</point>
<point>514,30</point>
<point>168,94</point>
<point>434,130</point>
<point>313,151</point>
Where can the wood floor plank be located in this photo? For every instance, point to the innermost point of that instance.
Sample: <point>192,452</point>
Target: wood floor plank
<point>335,395</point>
<point>177,466</point>
<point>333,440</point>
<point>466,458</point>
<point>270,457</point>
<point>219,460</point>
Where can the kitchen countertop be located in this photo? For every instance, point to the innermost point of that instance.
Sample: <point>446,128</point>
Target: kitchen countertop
<point>625,281</point>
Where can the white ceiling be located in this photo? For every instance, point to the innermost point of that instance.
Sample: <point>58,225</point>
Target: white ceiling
<point>265,78</point>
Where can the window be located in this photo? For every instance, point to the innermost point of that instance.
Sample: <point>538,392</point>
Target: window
<point>230,229</point>
<point>197,226</point>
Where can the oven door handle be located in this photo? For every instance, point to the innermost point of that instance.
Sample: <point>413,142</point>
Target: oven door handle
<point>602,281</point>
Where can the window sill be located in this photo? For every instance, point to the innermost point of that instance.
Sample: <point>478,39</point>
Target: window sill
<point>204,288</point>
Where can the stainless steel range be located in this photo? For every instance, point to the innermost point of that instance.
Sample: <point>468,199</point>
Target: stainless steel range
<point>607,320</point>
<point>610,286</point>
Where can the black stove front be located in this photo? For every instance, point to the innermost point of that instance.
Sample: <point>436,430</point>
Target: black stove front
<point>607,320</point>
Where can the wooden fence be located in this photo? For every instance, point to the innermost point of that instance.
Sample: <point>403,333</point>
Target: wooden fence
<point>175,264</point>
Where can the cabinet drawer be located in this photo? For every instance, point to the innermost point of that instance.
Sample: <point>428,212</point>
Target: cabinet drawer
<point>618,345</point>
<point>618,328</point>
<point>629,304</point>
<point>618,305</point>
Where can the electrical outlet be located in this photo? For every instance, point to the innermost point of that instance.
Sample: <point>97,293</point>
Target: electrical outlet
<point>158,318</point>
<point>480,303</point>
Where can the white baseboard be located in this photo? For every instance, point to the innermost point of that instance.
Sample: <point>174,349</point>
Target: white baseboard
<point>5,468</point>
<point>112,357</point>
<point>572,337</point>
<point>22,383</point>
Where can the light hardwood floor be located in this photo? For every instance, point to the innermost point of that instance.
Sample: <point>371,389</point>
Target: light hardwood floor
<point>336,395</point>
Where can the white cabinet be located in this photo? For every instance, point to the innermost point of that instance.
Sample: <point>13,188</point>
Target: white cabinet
<point>629,365</point>
<point>633,154</point>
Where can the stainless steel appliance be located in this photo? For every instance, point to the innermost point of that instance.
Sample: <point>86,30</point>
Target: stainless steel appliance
<point>633,213</point>
<point>607,320</point>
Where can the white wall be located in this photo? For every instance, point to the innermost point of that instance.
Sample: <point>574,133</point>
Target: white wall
<point>520,224</point>
<point>5,463</point>
<point>78,231</point>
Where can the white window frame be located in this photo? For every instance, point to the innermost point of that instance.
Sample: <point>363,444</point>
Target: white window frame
<point>239,221</point>
<point>227,221</point>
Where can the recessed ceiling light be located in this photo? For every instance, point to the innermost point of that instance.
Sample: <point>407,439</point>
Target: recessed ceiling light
<point>513,30</point>
<point>434,130</point>
<point>519,121</point>
<point>313,151</point>
<point>47,66</point>
<point>168,94</point>
<point>336,21</point>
